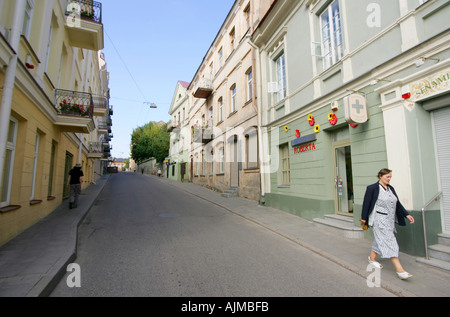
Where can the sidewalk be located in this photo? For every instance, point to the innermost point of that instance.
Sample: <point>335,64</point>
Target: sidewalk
<point>34,262</point>
<point>349,253</point>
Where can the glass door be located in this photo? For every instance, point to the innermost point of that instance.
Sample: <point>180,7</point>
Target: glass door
<point>344,179</point>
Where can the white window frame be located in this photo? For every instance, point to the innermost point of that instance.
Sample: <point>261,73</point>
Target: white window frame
<point>331,35</point>
<point>35,162</point>
<point>7,176</point>
<point>233,93</point>
<point>249,84</point>
<point>49,45</point>
<point>220,102</point>
<point>28,18</point>
<point>220,57</point>
<point>280,63</point>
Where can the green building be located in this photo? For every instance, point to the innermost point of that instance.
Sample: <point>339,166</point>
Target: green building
<point>349,87</point>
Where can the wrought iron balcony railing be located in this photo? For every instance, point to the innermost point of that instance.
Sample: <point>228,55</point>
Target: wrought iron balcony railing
<point>85,9</point>
<point>74,103</point>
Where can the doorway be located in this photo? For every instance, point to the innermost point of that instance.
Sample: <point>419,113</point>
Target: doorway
<point>344,198</point>
<point>67,168</point>
<point>234,164</point>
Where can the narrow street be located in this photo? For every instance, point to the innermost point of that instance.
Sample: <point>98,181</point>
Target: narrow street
<point>144,237</point>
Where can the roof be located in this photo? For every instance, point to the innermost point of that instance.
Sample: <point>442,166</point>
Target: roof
<point>184,84</point>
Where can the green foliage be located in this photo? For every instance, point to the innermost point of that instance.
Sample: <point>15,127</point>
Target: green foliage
<point>150,140</point>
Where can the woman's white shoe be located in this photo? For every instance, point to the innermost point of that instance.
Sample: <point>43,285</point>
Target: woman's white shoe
<point>375,263</point>
<point>404,275</point>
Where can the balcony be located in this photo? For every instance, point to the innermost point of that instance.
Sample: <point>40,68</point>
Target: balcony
<point>100,106</point>
<point>96,150</point>
<point>84,24</point>
<point>204,135</point>
<point>75,111</point>
<point>203,89</point>
<point>171,126</point>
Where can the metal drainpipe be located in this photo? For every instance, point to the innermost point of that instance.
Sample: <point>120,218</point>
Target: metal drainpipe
<point>8,85</point>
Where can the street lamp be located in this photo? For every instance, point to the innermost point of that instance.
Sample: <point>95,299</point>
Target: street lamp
<point>152,105</point>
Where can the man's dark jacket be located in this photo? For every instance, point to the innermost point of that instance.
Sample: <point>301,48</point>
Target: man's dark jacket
<point>370,198</point>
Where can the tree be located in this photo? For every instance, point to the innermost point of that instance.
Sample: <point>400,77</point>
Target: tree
<point>150,140</point>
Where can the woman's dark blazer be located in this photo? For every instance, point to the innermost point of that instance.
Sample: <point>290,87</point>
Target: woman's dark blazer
<point>370,198</point>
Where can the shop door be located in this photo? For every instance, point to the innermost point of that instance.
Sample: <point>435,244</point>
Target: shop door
<point>343,178</point>
<point>441,118</point>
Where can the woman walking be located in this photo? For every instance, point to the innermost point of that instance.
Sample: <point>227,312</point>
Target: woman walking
<point>381,208</point>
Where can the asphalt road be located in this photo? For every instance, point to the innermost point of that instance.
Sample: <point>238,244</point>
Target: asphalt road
<point>144,237</point>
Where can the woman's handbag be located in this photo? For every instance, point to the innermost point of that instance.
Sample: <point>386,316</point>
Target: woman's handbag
<point>364,225</point>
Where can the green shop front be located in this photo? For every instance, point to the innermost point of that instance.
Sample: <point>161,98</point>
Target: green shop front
<point>324,155</point>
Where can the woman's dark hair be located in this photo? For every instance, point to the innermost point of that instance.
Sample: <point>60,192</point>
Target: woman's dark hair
<point>383,172</point>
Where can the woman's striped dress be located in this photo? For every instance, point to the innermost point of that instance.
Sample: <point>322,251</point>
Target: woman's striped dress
<point>383,218</point>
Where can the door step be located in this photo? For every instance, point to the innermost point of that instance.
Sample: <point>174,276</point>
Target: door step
<point>341,225</point>
<point>439,254</point>
<point>231,192</point>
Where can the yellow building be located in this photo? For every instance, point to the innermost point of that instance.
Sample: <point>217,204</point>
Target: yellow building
<point>54,109</point>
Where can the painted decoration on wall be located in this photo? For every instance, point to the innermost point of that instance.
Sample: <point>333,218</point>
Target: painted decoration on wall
<point>317,128</point>
<point>332,118</point>
<point>311,120</point>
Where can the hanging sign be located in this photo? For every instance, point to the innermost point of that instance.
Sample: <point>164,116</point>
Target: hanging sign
<point>355,106</point>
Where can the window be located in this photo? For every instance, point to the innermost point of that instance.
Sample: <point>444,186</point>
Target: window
<point>247,15</point>
<point>49,44</point>
<point>330,25</point>
<point>35,159</point>
<point>211,163</point>
<point>203,163</point>
<point>197,165</point>
<point>220,115</point>
<point>249,85</point>
<point>221,57</point>
<point>232,38</point>
<point>221,160</point>
<point>251,140</point>
<point>9,163</point>
<point>281,77</point>
<point>210,117</point>
<point>284,161</point>
<point>28,18</point>
<point>51,172</point>
<point>233,99</point>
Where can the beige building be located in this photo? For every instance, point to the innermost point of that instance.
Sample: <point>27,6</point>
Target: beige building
<point>54,109</point>
<point>223,117</point>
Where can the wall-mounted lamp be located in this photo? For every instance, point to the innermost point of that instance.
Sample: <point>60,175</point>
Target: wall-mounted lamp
<point>376,81</point>
<point>29,62</point>
<point>422,60</point>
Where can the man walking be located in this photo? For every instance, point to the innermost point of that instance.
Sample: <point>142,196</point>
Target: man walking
<point>75,179</point>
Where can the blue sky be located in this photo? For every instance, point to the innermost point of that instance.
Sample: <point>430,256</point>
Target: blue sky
<point>149,46</point>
